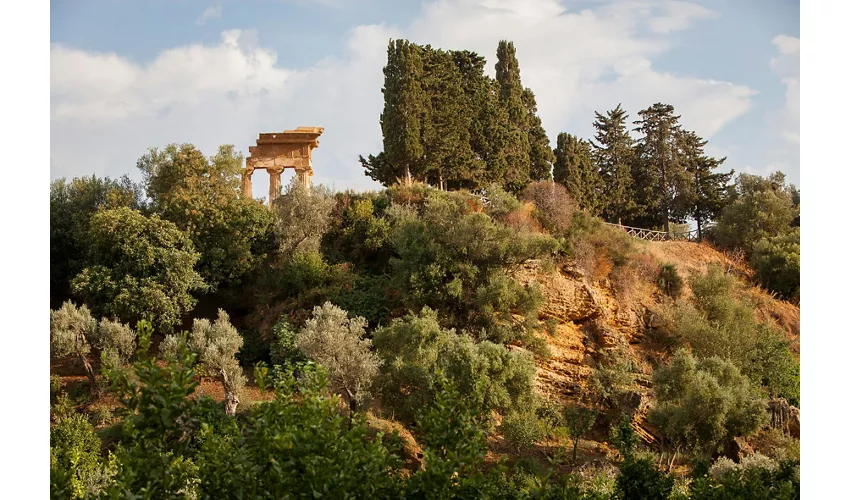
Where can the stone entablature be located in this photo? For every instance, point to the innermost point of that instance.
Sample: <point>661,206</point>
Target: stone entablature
<point>277,151</point>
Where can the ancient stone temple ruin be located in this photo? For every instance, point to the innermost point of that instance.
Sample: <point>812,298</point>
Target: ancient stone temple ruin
<point>279,150</point>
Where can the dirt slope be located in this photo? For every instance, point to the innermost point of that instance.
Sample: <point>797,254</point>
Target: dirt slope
<point>592,318</point>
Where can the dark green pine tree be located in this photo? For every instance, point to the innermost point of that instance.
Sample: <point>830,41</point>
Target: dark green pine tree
<point>497,145</point>
<point>660,177</point>
<point>614,152</point>
<point>574,168</point>
<point>448,159</point>
<point>708,189</point>
<point>405,105</point>
<point>478,102</point>
<point>516,147</point>
<point>540,152</point>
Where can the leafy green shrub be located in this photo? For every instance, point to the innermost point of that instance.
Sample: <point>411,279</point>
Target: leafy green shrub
<point>55,386</point>
<point>347,466</point>
<point>62,408</point>
<point>454,258</point>
<point>415,347</point>
<point>521,429</point>
<point>624,438</point>
<point>776,261</point>
<point>719,323</point>
<point>613,381</point>
<point>639,478</point>
<point>669,280</point>
<point>368,296</point>
<point>284,350</point>
<point>760,479</point>
<point>75,463</point>
<point>360,231</point>
<point>704,403</point>
<point>150,458</point>
<point>304,271</point>
<point>499,202</point>
<point>261,376</point>
<point>102,416</point>
<point>454,447</point>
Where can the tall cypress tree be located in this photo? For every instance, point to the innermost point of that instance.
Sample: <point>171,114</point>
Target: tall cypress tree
<point>477,100</point>
<point>448,156</point>
<point>708,189</point>
<point>517,149</point>
<point>540,152</point>
<point>660,176</point>
<point>614,152</point>
<point>404,109</point>
<point>574,168</point>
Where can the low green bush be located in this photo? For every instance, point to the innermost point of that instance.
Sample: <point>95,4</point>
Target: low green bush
<point>640,479</point>
<point>521,429</point>
<point>76,468</point>
<point>669,280</point>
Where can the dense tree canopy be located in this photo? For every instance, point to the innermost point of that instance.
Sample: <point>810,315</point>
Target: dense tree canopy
<point>445,122</point>
<point>138,267</point>
<point>576,169</point>
<point>201,196</point>
<point>72,204</point>
<point>762,219</point>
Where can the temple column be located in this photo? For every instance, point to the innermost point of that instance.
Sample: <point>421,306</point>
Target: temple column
<point>274,183</point>
<point>304,177</point>
<point>247,189</point>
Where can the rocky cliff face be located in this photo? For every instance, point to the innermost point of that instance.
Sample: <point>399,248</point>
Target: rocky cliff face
<point>590,318</point>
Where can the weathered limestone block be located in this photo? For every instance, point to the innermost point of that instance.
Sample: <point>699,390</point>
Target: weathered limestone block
<point>566,299</point>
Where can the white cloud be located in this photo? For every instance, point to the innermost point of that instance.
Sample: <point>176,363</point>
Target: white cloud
<point>106,110</point>
<point>787,65</point>
<point>211,12</point>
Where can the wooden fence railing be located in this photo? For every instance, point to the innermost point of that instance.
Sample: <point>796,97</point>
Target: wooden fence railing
<point>653,235</point>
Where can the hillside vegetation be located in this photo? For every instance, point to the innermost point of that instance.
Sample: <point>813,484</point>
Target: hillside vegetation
<point>495,340</point>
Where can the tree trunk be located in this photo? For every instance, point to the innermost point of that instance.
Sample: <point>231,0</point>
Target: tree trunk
<point>90,374</point>
<point>575,450</point>
<point>231,400</point>
<point>352,406</point>
<point>699,229</point>
<point>407,176</point>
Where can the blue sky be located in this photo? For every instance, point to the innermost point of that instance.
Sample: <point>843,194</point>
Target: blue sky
<point>128,75</point>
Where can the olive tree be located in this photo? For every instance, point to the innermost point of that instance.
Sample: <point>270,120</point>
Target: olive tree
<point>74,332</point>
<point>302,215</point>
<point>216,345</point>
<point>336,341</point>
<point>703,403</point>
<point>489,376</point>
